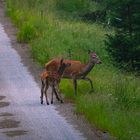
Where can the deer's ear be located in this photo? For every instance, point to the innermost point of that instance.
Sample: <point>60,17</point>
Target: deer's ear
<point>61,61</point>
<point>89,51</point>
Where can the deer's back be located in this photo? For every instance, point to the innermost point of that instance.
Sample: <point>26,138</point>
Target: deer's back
<point>74,69</point>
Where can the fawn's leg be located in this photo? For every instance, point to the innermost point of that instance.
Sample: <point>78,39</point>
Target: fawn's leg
<point>46,88</point>
<point>57,90</point>
<point>42,91</point>
<point>52,94</point>
<point>56,94</point>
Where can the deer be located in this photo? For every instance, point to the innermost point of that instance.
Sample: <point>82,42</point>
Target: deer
<point>52,79</point>
<point>77,70</point>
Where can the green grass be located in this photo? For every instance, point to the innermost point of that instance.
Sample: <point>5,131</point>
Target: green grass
<point>52,27</point>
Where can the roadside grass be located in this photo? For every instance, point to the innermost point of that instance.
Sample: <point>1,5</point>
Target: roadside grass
<point>114,105</point>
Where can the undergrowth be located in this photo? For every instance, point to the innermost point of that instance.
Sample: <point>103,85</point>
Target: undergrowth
<point>52,28</point>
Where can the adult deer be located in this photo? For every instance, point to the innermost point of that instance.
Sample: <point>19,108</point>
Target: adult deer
<point>52,79</point>
<point>77,70</point>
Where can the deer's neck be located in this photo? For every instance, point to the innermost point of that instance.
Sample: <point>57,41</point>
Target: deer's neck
<point>87,68</point>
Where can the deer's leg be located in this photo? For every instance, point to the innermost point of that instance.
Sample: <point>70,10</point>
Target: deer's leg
<point>46,88</point>
<point>42,90</point>
<point>75,86</point>
<point>90,81</point>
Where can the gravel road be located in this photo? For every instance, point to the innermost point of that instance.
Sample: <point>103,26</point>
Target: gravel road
<point>22,117</point>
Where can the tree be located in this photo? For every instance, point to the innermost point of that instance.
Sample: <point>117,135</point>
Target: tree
<point>124,46</point>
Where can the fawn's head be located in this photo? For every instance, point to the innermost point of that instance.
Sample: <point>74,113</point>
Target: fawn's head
<point>63,66</point>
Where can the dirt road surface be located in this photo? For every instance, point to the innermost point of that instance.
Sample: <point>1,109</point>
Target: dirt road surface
<point>20,110</point>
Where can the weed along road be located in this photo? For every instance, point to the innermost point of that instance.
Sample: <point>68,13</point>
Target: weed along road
<point>22,117</point>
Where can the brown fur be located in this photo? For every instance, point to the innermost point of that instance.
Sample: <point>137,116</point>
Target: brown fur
<point>77,70</point>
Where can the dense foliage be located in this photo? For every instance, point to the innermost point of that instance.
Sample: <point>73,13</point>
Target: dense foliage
<point>124,46</point>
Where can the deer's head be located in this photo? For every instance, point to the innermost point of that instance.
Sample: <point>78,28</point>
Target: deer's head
<point>94,58</point>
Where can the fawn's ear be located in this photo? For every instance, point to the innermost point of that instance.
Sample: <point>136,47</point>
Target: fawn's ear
<point>61,61</point>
